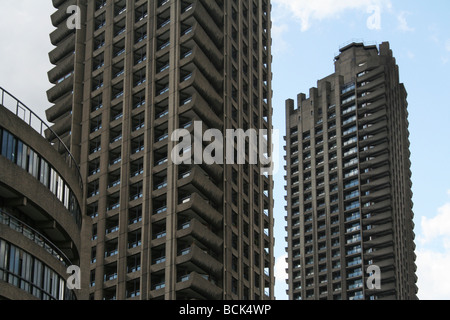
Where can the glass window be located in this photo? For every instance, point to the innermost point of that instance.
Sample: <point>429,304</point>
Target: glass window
<point>60,190</point>
<point>22,153</point>
<point>66,197</point>
<point>33,167</point>
<point>37,279</point>
<point>53,181</point>
<point>14,265</point>
<point>9,146</point>
<point>3,259</point>
<point>26,272</point>
<point>44,173</point>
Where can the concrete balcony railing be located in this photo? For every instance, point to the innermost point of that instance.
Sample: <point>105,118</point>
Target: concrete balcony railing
<point>61,15</point>
<point>60,33</point>
<point>202,183</point>
<point>375,150</point>
<point>378,172</point>
<point>378,138</point>
<point>62,106</point>
<point>205,111</point>
<point>375,184</point>
<point>376,218</point>
<point>200,14</point>
<point>380,206</point>
<point>379,241</point>
<point>197,284</point>
<point>379,254</point>
<point>379,160</point>
<point>62,50</point>
<point>378,229</point>
<point>201,38</point>
<point>60,89</point>
<point>204,87</point>
<point>197,206</point>
<point>213,9</point>
<point>377,116</point>
<point>200,232</point>
<point>373,105</point>
<point>194,258</point>
<point>201,61</point>
<point>377,195</point>
<point>61,70</point>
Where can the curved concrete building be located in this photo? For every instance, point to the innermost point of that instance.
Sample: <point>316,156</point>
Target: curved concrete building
<point>40,213</point>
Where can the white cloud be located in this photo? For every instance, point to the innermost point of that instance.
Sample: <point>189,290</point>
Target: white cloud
<point>279,45</point>
<point>24,52</point>
<point>403,24</point>
<point>437,227</point>
<point>280,277</point>
<point>447,47</point>
<point>307,11</point>
<point>432,273</point>
<point>433,257</point>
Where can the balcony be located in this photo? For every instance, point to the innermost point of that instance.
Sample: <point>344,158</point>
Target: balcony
<point>198,231</point>
<point>194,258</point>
<point>384,240</point>
<point>196,206</point>
<point>379,229</point>
<point>200,37</point>
<point>196,105</point>
<point>203,183</point>
<point>196,285</point>
<point>198,58</point>
<point>374,150</point>
<point>373,128</point>
<point>200,14</point>
<point>376,195</point>
<point>379,253</point>
<point>204,87</point>
<point>377,218</point>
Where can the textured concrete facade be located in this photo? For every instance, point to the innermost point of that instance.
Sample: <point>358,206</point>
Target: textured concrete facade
<point>349,182</point>
<point>40,213</point>
<point>135,72</point>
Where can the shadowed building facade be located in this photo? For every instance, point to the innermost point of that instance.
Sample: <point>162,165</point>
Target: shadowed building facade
<point>349,182</point>
<point>135,72</point>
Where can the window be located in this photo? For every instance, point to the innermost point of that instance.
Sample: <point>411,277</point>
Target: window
<point>9,146</point>
<point>31,275</point>
<point>22,155</point>
<point>135,215</point>
<point>33,166</point>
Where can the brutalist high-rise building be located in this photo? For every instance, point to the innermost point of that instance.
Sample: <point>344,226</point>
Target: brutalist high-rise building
<point>349,204</point>
<point>135,71</point>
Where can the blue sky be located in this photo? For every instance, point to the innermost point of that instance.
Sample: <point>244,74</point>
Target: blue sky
<point>306,36</point>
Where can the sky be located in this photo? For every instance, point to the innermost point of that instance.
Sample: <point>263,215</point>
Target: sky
<point>307,36</point>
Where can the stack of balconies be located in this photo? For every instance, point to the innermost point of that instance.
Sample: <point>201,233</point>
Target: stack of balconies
<point>165,73</point>
<point>62,75</point>
<point>362,215</point>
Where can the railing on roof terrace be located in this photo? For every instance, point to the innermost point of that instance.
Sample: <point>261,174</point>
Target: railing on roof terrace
<point>34,121</point>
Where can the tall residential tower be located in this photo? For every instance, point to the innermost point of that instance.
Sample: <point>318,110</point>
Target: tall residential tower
<point>349,182</point>
<point>133,73</point>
